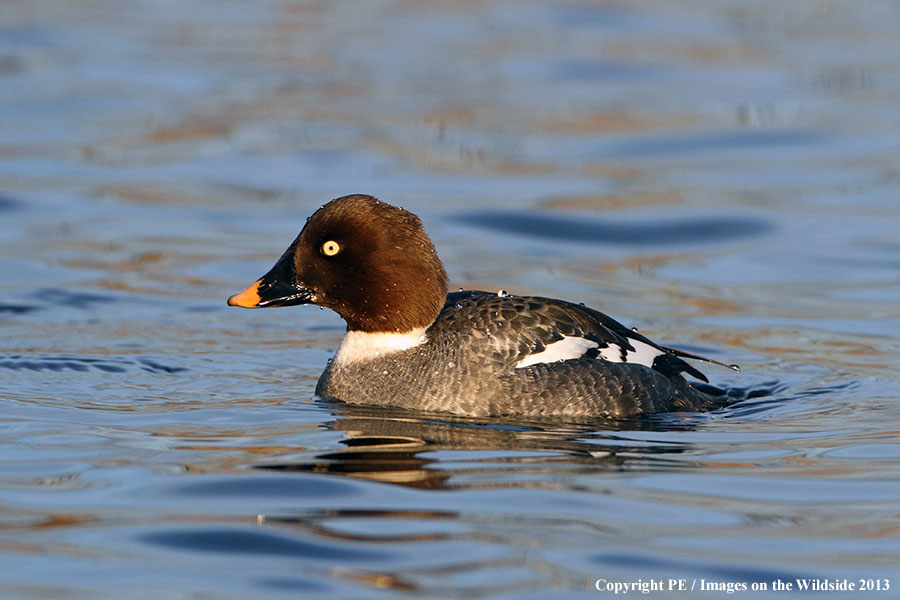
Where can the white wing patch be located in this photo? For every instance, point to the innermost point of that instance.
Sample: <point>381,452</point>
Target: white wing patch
<point>612,353</point>
<point>564,349</point>
<point>643,354</point>
<point>575,347</point>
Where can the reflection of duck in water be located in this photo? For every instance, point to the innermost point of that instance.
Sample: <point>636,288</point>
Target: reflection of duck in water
<point>428,450</point>
<point>410,344</point>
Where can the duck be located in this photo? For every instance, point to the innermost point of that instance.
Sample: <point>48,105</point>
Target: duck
<point>410,344</point>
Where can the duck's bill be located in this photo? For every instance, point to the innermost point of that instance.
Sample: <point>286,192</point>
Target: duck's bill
<point>259,295</point>
<point>272,289</point>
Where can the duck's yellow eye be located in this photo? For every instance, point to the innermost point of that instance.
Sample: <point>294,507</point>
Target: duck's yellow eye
<point>330,248</point>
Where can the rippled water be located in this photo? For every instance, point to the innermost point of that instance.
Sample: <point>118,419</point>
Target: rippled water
<point>724,177</point>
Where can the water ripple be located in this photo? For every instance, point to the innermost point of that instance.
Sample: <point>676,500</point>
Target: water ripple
<point>250,541</point>
<point>655,233</point>
<point>37,363</point>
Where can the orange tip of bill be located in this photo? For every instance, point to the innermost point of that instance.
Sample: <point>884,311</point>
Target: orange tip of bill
<point>249,298</point>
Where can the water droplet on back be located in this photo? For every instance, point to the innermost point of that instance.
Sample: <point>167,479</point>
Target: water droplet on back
<point>502,294</point>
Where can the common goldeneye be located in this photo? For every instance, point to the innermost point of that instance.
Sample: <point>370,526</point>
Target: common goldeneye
<point>411,344</point>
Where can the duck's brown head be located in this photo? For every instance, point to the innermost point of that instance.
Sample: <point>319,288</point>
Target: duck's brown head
<point>369,261</point>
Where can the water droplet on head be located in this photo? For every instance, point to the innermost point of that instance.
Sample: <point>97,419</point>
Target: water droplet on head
<point>459,305</point>
<point>634,329</point>
<point>384,372</point>
<point>502,294</point>
<point>451,364</point>
<point>459,290</point>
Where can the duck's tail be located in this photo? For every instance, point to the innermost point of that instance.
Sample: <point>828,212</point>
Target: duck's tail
<point>684,354</point>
